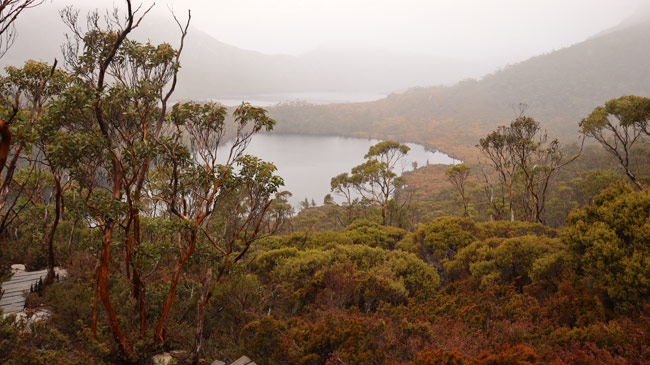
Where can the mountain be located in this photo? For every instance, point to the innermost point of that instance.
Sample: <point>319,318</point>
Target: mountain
<point>212,69</point>
<point>560,88</point>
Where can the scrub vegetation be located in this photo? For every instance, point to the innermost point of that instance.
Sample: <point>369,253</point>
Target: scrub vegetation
<point>538,252</point>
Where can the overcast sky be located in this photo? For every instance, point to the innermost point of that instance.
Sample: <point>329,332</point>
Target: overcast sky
<point>503,31</point>
<point>456,28</point>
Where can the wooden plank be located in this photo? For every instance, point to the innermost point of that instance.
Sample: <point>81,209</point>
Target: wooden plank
<point>17,288</point>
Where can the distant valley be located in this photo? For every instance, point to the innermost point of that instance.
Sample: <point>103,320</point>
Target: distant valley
<point>559,88</point>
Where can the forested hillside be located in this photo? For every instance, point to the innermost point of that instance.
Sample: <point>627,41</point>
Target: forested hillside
<point>538,254</point>
<point>560,88</point>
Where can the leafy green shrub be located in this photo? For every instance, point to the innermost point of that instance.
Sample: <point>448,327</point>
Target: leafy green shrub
<point>264,340</point>
<point>610,244</point>
<point>305,240</point>
<point>509,229</point>
<point>440,239</point>
<point>36,258</point>
<point>347,275</point>
<point>520,260</point>
<point>373,234</point>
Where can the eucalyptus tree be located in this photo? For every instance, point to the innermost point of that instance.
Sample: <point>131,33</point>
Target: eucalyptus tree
<point>375,179</point>
<point>618,127</point>
<point>537,159</point>
<point>11,107</point>
<point>197,186</point>
<point>113,114</point>
<point>279,213</point>
<point>343,185</point>
<point>458,175</point>
<point>235,225</point>
<point>45,132</point>
<point>23,94</point>
<point>496,147</point>
<point>523,152</point>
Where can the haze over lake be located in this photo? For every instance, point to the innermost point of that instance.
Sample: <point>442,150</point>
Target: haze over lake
<point>319,98</point>
<point>308,163</point>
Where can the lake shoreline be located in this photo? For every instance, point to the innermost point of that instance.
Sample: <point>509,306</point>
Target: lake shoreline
<point>307,163</point>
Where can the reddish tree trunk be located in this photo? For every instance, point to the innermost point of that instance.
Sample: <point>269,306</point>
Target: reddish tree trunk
<point>102,281</point>
<point>58,202</point>
<point>5,144</point>
<point>172,289</point>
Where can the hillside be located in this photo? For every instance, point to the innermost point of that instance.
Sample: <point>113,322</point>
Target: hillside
<point>559,88</point>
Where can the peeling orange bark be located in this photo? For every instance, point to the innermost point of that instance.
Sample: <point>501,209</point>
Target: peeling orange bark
<point>5,143</point>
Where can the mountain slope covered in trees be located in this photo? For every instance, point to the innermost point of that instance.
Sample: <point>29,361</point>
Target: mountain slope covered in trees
<point>560,88</point>
<point>170,252</point>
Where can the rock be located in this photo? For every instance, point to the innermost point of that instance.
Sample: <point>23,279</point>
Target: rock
<point>243,361</point>
<point>163,359</point>
<point>29,317</point>
<point>179,354</point>
<point>62,273</point>
<point>218,362</point>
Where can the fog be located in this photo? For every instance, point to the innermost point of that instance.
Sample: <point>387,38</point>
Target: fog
<point>339,46</point>
<point>497,32</point>
<point>501,31</point>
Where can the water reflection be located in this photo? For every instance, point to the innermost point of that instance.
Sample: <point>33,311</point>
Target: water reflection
<point>307,163</point>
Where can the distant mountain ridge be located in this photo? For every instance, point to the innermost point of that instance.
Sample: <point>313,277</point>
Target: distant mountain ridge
<point>560,88</point>
<point>213,69</point>
<point>640,16</point>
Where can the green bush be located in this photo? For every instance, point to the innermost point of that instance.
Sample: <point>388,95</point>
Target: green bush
<point>610,244</point>
<point>519,260</point>
<point>36,258</point>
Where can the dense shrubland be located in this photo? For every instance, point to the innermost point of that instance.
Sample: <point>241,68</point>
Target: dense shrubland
<point>540,254</point>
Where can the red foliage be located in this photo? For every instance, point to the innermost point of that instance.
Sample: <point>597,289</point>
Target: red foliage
<point>509,355</point>
<point>587,354</point>
<point>438,357</point>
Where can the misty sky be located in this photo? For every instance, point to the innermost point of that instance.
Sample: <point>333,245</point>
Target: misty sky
<point>509,29</point>
<point>493,31</point>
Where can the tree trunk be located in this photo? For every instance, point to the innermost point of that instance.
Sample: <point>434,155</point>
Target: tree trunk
<point>4,184</point>
<point>93,321</point>
<point>102,281</point>
<point>58,202</point>
<point>200,315</point>
<point>104,262</point>
<point>5,144</point>
<point>74,225</point>
<point>139,291</point>
<point>168,303</point>
<point>158,337</point>
<point>465,211</point>
<point>512,210</point>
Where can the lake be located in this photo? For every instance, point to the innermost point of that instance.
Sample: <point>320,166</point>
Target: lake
<point>265,100</point>
<point>308,163</point>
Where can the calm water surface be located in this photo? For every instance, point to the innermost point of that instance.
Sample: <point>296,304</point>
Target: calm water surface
<point>265,100</point>
<point>308,163</point>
